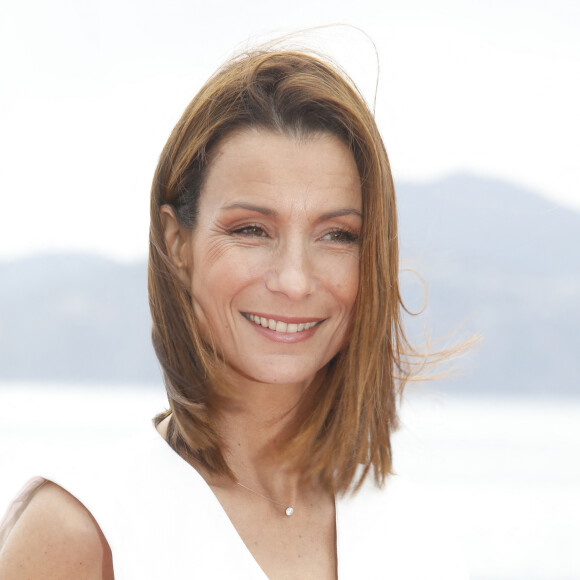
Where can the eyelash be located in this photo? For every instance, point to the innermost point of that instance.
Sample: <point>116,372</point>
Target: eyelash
<point>243,231</point>
<point>346,236</point>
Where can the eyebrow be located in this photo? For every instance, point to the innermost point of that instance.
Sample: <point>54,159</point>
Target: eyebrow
<point>251,207</point>
<point>271,212</point>
<point>340,213</point>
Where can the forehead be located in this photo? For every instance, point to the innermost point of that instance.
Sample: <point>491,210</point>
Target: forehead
<point>318,172</point>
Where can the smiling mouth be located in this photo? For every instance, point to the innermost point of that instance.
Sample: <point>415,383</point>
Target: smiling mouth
<point>279,326</point>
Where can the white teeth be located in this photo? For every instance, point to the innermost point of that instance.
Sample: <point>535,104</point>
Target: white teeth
<point>279,326</point>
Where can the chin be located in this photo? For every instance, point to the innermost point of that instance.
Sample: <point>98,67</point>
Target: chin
<point>281,373</point>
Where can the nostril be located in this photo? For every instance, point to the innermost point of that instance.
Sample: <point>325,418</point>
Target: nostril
<point>291,275</point>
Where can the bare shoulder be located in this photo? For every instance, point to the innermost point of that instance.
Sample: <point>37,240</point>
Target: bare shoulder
<point>56,537</point>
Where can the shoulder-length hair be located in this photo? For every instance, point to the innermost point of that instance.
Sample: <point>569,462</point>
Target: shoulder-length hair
<point>346,416</point>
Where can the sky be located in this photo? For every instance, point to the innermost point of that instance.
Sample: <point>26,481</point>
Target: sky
<point>89,92</point>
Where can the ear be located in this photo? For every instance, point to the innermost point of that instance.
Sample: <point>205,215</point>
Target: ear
<point>177,243</point>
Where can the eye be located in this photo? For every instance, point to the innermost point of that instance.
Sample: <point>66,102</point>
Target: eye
<point>252,231</point>
<point>341,236</point>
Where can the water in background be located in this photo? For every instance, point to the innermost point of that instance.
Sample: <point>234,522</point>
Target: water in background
<point>509,468</point>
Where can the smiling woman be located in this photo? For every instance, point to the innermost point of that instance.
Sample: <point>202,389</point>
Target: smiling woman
<point>273,283</point>
<point>275,246</point>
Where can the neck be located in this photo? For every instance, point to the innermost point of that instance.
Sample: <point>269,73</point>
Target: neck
<point>252,431</point>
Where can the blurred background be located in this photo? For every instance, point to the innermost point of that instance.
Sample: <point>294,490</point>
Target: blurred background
<point>477,103</point>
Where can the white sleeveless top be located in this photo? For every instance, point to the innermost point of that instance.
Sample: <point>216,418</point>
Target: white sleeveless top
<point>162,520</point>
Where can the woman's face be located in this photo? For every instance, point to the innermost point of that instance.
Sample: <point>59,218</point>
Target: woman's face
<point>273,262</point>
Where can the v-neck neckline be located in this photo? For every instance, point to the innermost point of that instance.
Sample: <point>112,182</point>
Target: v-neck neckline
<point>188,472</point>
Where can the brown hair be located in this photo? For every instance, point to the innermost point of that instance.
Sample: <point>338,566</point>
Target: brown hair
<point>348,413</point>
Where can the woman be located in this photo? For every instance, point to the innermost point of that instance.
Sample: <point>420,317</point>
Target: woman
<point>273,281</point>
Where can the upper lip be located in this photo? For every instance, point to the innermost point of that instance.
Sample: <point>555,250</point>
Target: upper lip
<point>287,319</point>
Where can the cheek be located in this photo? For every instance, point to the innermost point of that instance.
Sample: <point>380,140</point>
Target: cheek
<point>343,278</point>
<point>218,280</point>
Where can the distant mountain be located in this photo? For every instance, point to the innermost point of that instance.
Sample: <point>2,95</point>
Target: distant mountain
<point>75,318</point>
<point>496,258</point>
<point>506,264</point>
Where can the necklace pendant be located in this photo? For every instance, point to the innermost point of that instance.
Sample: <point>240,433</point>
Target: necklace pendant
<point>289,510</point>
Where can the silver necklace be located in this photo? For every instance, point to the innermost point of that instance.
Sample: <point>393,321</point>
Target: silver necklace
<point>288,509</point>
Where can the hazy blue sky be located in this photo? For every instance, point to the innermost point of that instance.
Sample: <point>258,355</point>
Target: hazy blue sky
<point>90,91</point>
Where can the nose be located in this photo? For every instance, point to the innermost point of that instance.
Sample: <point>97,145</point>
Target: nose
<point>291,272</point>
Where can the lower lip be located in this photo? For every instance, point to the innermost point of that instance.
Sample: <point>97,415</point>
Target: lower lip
<point>286,337</point>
